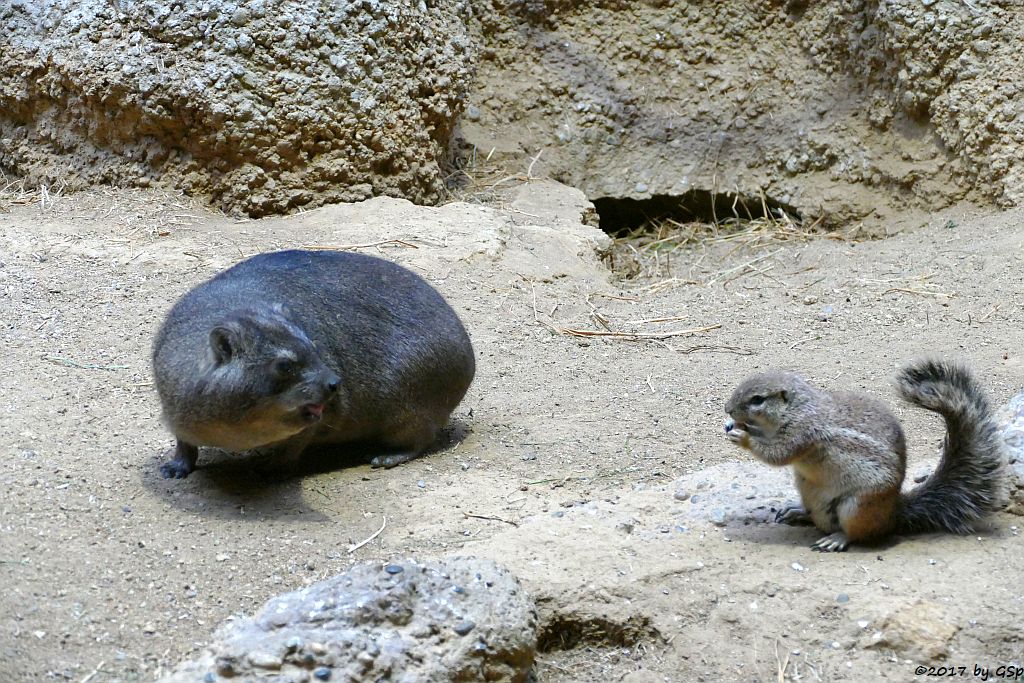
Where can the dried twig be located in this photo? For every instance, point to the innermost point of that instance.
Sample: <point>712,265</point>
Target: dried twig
<point>350,247</point>
<point>94,672</point>
<point>633,336</point>
<point>356,546</point>
<point>58,360</point>
<point>782,664</point>
<point>669,319</point>
<point>751,262</point>
<point>493,519</point>
<point>920,292</point>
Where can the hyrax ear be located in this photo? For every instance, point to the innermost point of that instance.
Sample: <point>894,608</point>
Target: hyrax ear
<point>225,342</point>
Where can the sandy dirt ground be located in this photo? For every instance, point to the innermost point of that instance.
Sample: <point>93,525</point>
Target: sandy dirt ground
<point>564,461</point>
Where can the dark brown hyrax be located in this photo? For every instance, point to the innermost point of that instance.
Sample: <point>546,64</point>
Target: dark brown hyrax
<point>849,454</point>
<point>295,348</point>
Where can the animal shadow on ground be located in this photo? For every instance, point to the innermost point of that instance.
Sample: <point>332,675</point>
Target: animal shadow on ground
<point>260,484</point>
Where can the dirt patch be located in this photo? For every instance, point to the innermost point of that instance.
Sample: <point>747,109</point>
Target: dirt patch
<point>566,472</point>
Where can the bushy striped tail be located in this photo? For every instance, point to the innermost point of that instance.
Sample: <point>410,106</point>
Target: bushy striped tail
<point>970,481</point>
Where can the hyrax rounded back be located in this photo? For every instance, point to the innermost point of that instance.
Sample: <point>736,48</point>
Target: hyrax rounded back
<point>295,348</point>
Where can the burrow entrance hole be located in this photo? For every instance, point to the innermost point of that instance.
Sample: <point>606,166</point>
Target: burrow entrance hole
<point>649,233</point>
<point>622,215</point>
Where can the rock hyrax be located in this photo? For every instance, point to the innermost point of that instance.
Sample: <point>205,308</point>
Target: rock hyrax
<point>295,348</point>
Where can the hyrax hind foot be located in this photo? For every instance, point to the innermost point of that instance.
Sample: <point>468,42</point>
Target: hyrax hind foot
<point>392,459</point>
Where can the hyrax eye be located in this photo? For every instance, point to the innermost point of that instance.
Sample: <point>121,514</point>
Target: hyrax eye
<point>285,367</point>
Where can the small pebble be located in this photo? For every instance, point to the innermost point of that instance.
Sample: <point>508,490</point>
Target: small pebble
<point>835,645</point>
<point>422,484</point>
<point>863,623</point>
<point>265,660</point>
<point>458,589</point>
<point>930,561</point>
<point>210,677</point>
<point>394,569</point>
<point>293,643</point>
<point>842,597</point>
<point>681,495</point>
<point>322,673</point>
<point>718,517</point>
<point>798,567</point>
<point>464,627</point>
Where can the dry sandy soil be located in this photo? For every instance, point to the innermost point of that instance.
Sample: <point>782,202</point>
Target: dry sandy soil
<point>563,463</point>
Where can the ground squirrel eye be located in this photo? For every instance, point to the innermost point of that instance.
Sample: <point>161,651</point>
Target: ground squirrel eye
<point>756,400</point>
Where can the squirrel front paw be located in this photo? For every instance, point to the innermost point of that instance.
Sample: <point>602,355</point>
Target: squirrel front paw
<point>735,432</point>
<point>793,514</point>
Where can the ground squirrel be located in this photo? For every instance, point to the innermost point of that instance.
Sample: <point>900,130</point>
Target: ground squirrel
<point>296,348</point>
<point>849,455</point>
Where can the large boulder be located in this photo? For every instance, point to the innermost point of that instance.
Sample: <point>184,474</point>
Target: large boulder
<point>263,106</point>
<point>460,619</point>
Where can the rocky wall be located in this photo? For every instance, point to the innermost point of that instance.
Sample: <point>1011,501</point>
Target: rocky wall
<point>845,111</point>
<point>264,107</point>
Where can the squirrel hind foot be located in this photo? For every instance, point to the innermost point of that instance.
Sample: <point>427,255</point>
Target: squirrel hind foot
<point>833,543</point>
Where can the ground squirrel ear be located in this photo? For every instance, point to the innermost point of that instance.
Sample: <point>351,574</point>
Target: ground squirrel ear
<point>784,396</point>
<point>224,341</point>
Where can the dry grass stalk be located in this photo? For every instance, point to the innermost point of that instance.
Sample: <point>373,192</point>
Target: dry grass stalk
<point>629,336</point>
<point>351,247</point>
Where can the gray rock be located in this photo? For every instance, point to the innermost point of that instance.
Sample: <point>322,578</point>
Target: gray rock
<point>462,619</point>
<point>266,107</point>
<point>735,492</point>
<point>1011,420</point>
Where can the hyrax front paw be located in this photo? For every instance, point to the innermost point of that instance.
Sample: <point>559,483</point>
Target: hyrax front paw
<point>736,433</point>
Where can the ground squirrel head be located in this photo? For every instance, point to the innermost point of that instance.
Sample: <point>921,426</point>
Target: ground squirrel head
<point>759,405</point>
<point>265,379</point>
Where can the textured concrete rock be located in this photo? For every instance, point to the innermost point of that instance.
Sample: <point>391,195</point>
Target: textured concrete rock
<point>265,106</point>
<point>461,619</point>
<point>1011,420</point>
<point>735,492</point>
<point>921,630</point>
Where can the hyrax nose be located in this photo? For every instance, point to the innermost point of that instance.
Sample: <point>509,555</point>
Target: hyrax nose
<point>730,424</point>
